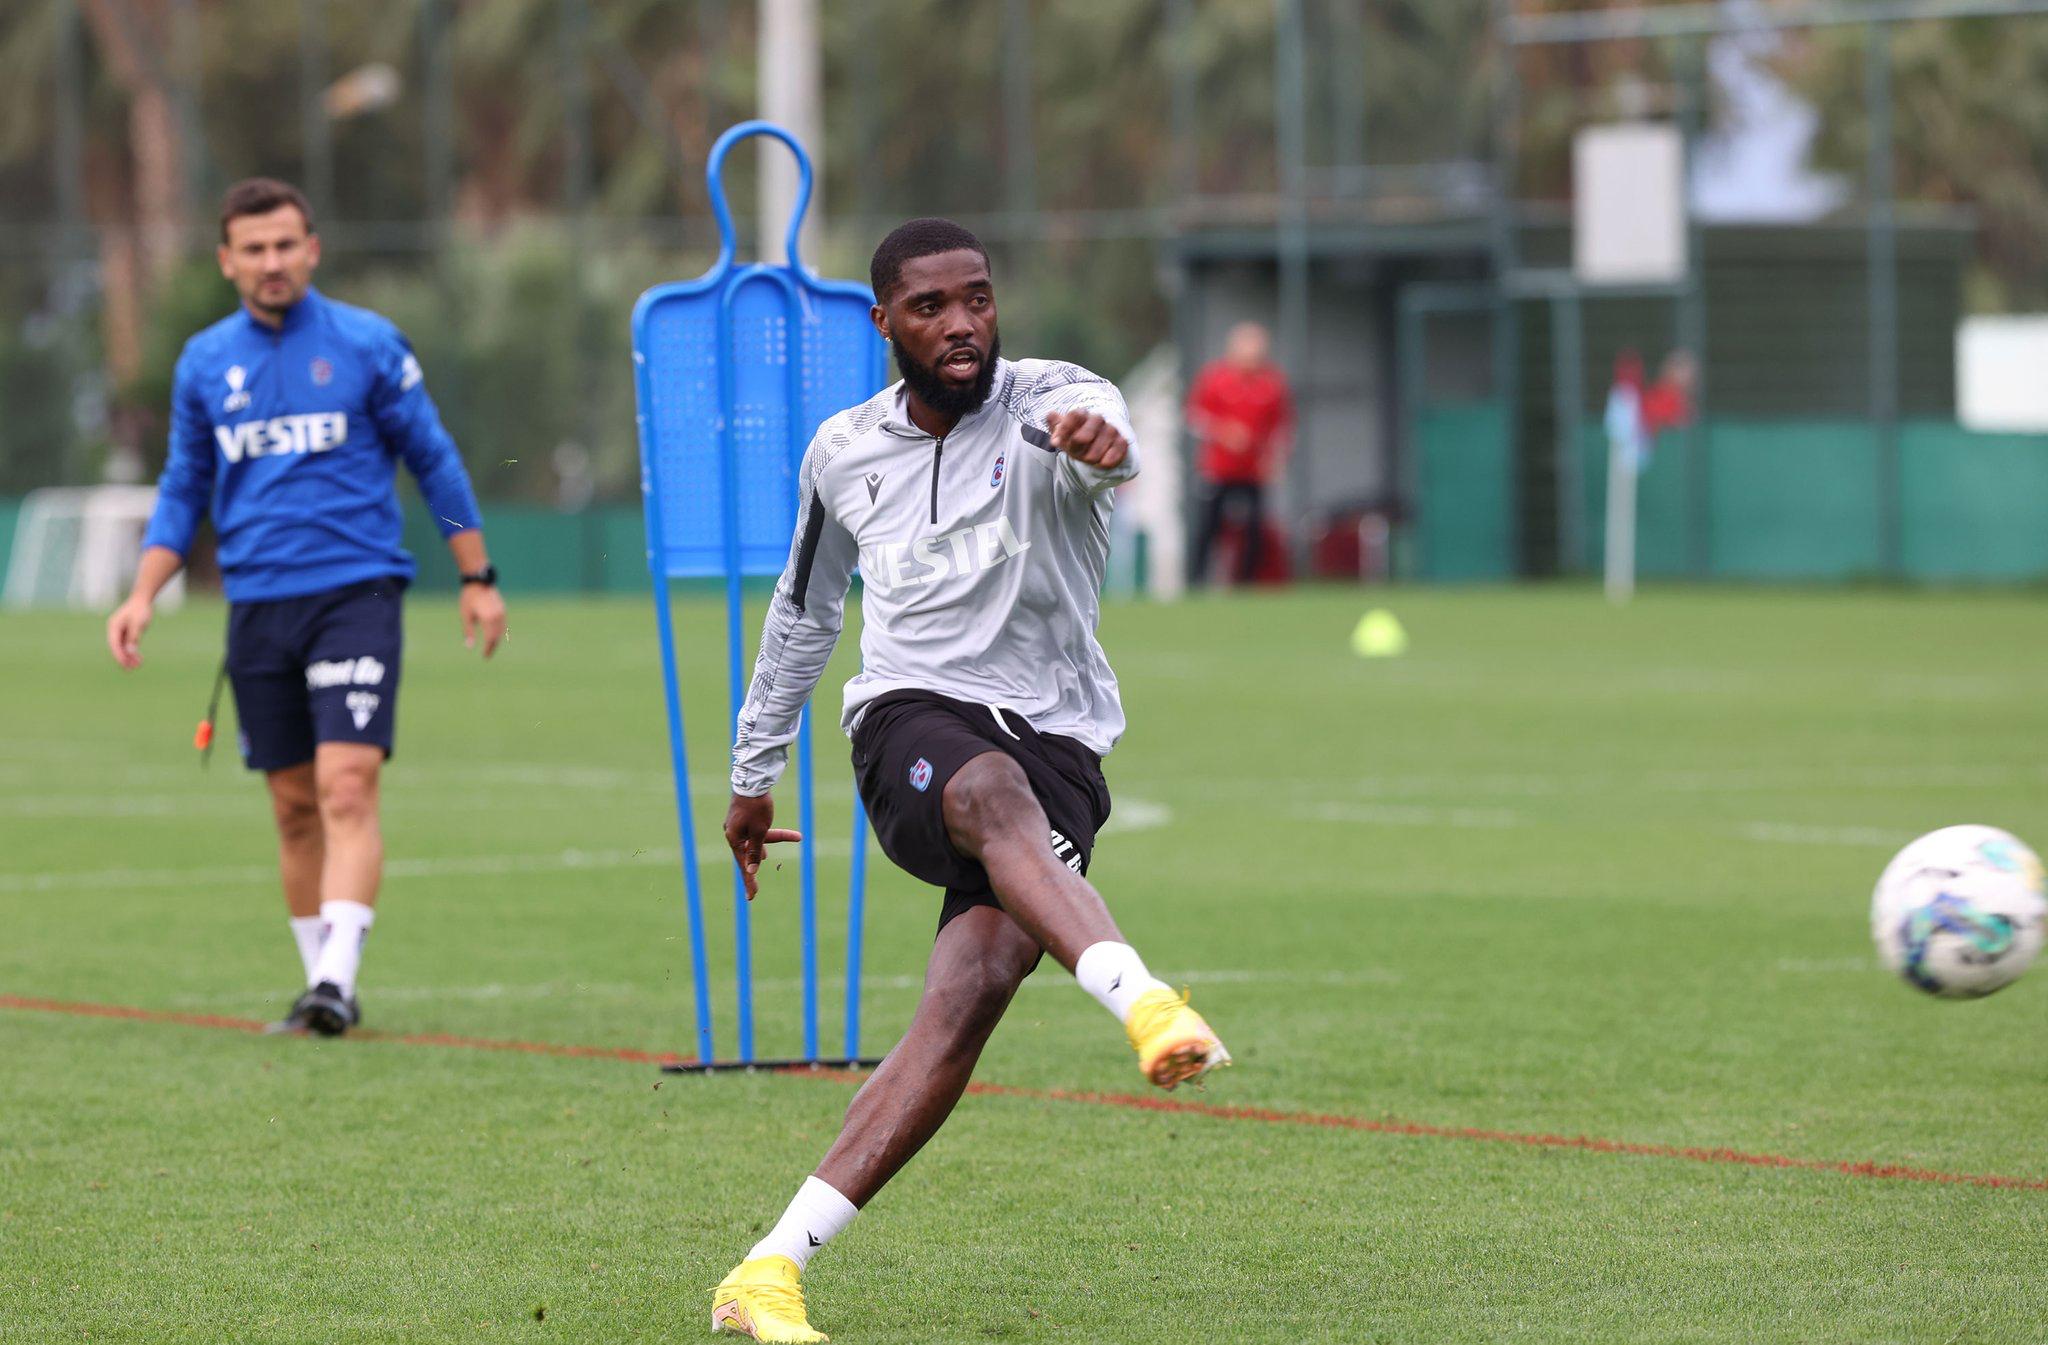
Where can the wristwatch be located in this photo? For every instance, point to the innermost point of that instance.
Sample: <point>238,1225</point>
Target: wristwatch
<point>487,576</point>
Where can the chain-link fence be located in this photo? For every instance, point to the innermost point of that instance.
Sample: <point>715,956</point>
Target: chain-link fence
<point>503,178</point>
<point>1864,182</point>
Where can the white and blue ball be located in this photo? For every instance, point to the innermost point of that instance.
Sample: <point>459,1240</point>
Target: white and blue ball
<point>1960,912</point>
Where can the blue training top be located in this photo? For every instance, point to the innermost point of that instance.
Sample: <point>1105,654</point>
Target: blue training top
<point>291,438</point>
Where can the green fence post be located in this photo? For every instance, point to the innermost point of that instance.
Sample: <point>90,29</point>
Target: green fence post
<point>1882,256</point>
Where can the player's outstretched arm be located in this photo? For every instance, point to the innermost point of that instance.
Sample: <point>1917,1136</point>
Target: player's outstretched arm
<point>748,833</point>
<point>126,626</point>
<point>410,422</point>
<point>182,496</point>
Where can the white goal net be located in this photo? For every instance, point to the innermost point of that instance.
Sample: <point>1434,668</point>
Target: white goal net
<point>77,547</point>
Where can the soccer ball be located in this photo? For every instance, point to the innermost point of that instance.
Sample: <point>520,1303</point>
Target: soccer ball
<point>1960,912</point>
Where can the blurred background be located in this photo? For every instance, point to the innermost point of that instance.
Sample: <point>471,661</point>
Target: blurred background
<point>1808,238</point>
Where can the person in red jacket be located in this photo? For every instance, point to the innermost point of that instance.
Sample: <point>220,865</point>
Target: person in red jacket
<point>1242,412</point>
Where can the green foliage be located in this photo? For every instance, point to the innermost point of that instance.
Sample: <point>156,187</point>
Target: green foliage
<point>38,440</point>
<point>1969,128</point>
<point>521,322</point>
<point>523,335</point>
<point>525,339</point>
<point>27,74</point>
<point>1097,304</point>
<point>193,297</point>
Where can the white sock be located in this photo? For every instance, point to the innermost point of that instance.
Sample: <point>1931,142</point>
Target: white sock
<point>348,924</point>
<point>1116,976</point>
<point>309,931</point>
<point>813,1219</point>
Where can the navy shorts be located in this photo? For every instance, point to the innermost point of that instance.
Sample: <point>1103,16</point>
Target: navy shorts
<point>910,743</point>
<point>317,669</point>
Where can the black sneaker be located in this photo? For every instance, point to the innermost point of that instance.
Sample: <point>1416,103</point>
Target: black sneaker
<point>294,1021</point>
<point>325,1010</point>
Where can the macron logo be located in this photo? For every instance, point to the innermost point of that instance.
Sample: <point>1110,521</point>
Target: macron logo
<point>313,432</point>
<point>887,566</point>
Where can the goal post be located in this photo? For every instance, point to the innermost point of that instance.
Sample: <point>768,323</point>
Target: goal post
<point>77,547</point>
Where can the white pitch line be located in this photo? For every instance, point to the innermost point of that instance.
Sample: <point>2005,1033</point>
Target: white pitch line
<point>239,804</point>
<point>131,805</point>
<point>499,781</point>
<point>1789,833</point>
<point>117,879</point>
<point>1052,977</point>
<point>1129,815</point>
<point>1951,686</point>
<point>1827,965</point>
<point>1363,976</point>
<point>709,778</point>
<point>1913,777</point>
<point>429,993</point>
<point>1403,815</point>
<point>467,866</point>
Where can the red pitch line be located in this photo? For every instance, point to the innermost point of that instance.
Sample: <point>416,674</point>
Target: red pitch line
<point>1129,1101</point>
<point>1588,1143</point>
<point>220,1021</point>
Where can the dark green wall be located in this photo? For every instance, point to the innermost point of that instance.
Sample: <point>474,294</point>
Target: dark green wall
<point>1801,500</point>
<point>1464,507</point>
<point>537,550</point>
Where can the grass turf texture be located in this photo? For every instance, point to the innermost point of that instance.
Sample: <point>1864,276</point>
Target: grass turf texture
<point>1562,869</point>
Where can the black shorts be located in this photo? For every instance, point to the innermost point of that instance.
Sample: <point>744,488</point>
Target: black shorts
<point>910,743</point>
<point>317,669</point>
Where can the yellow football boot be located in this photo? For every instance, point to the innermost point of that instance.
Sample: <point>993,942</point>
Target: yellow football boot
<point>1174,1045</point>
<point>762,1299</point>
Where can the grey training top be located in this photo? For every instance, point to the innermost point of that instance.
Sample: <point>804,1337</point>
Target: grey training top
<point>981,555</point>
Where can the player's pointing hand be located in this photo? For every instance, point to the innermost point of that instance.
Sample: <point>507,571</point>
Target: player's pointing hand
<point>1086,437</point>
<point>748,833</point>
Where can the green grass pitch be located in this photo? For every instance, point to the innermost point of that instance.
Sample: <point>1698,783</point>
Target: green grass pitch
<point>1562,870</point>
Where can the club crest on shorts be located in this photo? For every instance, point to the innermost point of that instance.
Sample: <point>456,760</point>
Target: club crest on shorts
<point>921,775</point>
<point>322,371</point>
<point>995,478</point>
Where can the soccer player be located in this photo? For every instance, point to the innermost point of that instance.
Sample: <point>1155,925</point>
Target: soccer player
<point>287,421</point>
<point>974,496</point>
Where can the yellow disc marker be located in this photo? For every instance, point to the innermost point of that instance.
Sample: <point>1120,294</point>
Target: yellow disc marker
<point>1379,635</point>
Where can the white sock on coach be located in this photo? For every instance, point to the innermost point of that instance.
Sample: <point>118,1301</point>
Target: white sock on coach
<point>1116,976</point>
<point>348,924</point>
<point>309,931</point>
<point>814,1218</point>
